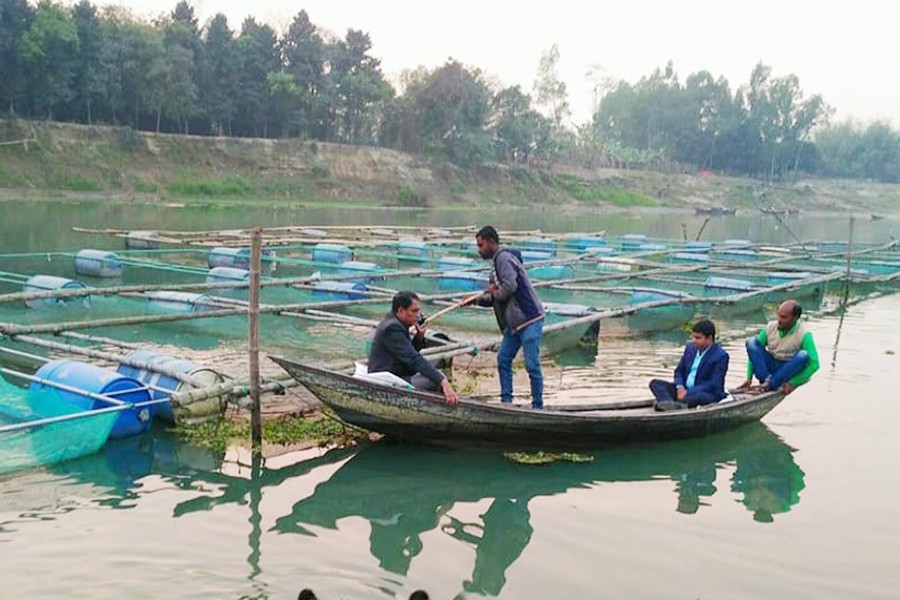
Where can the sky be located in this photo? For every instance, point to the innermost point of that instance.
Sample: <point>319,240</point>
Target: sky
<point>849,52</point>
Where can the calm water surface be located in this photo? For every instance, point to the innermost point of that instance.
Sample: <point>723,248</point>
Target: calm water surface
<point>801,505</point>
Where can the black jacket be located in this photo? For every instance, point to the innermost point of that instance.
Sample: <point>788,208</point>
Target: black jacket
<point>393,350</point>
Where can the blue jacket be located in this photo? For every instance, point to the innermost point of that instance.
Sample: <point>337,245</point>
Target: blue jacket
<point>710,377</point>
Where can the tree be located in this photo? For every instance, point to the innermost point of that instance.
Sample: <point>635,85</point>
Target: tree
<point>220,75</point>
<point>303,51</point>
<point>549,92</point>
<point>357,87</point>
<point>258,47</point>
<point>49,48</point>
<point>15,20</point>
<point>519,131</point>
<point>88,67</point>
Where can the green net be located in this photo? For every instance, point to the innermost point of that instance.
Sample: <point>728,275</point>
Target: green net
<point>52,442</point>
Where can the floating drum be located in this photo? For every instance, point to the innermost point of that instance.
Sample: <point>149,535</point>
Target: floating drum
<point>331,253</point>
<point>166,385</point>
<point>652,247</point>
<point>697,246</point>
<point>568,310</point>
<point>632,241</point>
<point>220,274</point>
<point>339,290</point>
<point>690,257</point>
<point>552,272</point>
<point>546,244</point>
<point>729,284</point>
<point>180,301</point>
<point>413,249</point>
<point>89,378</point>
<point>462,281</point>
<point>46,283</point>
<point>239,258</point>
<point>600,250</point>
<point>535,255</point>
<point>142,240</point>
<point>455,262</point>
<point>354,267</point>
<point>780,277</point>
<point>98,263</point>
<point>580,245</point>
<point>738,254</point>
<point>737,243</point>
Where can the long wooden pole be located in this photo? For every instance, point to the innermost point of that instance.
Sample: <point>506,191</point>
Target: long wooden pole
<point>453,307</point>
<point>253,340</point>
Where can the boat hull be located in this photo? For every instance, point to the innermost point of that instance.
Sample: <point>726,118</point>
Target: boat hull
<point>423,417</point>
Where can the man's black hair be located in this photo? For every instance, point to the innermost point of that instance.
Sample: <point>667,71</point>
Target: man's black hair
<point>488,233</point>
<point>706,327</point>
<point>402,300</point>
<point>796,310</point>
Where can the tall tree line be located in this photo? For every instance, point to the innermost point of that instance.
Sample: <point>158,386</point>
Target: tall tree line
<point>82,64</point>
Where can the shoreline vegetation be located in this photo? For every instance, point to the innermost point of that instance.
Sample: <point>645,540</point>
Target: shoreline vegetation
<point>61,162</point>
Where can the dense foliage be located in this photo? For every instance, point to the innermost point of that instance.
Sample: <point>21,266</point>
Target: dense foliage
<point>82,64</point>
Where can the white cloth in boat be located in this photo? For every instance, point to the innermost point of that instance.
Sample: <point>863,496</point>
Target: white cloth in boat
<point>380,377</point>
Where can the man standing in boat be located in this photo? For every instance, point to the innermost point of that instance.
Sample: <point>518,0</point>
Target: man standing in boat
<point>783,355</point>
<point>392,349</point>
<point>699,376</point>
<point>519,312</point>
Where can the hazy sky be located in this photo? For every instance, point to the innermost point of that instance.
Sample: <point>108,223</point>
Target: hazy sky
<point>846,51</point>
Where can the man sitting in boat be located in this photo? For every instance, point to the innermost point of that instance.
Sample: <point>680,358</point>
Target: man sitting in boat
<point>783,355</point>
<point>392,349</point>
<point>699,376</point>
<point>519,311</point>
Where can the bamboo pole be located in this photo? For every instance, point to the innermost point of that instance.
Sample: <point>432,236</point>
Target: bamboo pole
<point>253,341</point>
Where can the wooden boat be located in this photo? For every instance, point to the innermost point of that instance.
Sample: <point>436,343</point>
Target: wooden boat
<point>715,211</point>
<point>420,416</point>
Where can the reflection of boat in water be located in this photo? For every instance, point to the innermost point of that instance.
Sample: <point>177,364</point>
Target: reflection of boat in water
<point>406,491</point>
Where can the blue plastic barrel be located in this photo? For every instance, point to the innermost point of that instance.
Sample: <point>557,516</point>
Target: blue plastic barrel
<point>98,263</point>
<point>331,253</point>
<point>580,244</point>
<point>780,277</point>
<point>738,254</point>
<point>180,301</point>
<point>339,290</point>
<point>455,262</point>
<point>462,281</point>
<point>413,250</point>
<point>568,310</point>
<point>535,255</point>
<point>737,243</point>
<point>93,379</point>
<point>551,272</point>
<point>168,385</point>
<point>142,240</point>
<point>690,257</point>
<point>600,250</point>
<point>220,274</point>
<point>697,246</point>
<point>727,283</point>
<point>355,267</point>
<point>535,243</point>
<point>239,258</point>
<point>650,247</point>
<point>46,283</point>
<point>631,242</point>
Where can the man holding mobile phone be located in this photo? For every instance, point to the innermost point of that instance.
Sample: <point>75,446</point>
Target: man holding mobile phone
<point>394,351</point>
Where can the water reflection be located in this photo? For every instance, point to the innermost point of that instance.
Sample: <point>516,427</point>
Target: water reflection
<point>406,491</point>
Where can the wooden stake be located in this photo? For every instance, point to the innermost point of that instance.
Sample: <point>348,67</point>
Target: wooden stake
<point>253,340</point>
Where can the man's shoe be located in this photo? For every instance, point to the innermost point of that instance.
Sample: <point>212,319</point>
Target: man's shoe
<point>537,407</point>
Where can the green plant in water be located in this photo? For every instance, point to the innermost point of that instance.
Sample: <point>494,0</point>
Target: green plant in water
<point>544,458</point>
<point>289,429</point>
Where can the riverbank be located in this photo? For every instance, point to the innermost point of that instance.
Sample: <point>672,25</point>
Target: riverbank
<point>75,163</point>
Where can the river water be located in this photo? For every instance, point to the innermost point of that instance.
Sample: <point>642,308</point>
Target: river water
<point>798,506</point>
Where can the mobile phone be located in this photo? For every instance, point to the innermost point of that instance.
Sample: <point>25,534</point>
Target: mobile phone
<point>421,319</point>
